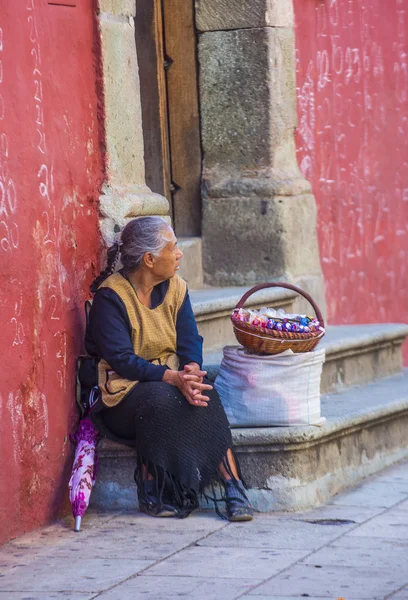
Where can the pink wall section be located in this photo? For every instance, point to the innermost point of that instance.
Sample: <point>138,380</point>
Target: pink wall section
<point>50,173</point>
<point>352,140</point>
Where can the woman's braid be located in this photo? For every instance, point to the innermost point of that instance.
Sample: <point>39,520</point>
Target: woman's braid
<point>113,257</point>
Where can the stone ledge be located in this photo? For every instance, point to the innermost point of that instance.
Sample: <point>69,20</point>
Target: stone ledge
<point>272,439</point>
<point>119,204</point>
<point>127,202</point>
<point>109,449</point>
<point>213,302</point>
<point>278,185</point>
<point>354,408</point>
<point>341,340</point>
<point>361,405</point>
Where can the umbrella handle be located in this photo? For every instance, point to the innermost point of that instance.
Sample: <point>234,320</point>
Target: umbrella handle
<point>78,523</point>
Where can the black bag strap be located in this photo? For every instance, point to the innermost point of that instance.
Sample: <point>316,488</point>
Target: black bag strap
<point>78,387</point>
<point>87,308</point>
<point>79,361</point>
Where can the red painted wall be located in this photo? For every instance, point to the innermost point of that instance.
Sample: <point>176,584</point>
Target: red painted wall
<point>352,140</point>
<point>50,172</point>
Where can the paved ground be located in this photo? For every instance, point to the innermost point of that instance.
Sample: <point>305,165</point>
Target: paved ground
<point>356,547</point>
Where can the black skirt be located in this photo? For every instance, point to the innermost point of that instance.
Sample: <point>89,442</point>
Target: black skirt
<point>179,444</point>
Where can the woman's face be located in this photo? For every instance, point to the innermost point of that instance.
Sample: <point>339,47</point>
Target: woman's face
<point>166,265</point>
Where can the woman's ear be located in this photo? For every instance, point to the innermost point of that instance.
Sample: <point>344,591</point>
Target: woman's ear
<point>148,259</point>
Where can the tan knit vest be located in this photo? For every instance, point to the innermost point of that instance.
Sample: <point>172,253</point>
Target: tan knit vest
<point>154,335</point>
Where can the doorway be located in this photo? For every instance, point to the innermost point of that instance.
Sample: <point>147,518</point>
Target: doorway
<point>167,57</point>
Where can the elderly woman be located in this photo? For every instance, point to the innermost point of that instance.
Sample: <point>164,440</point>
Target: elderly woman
<point>154,394</point>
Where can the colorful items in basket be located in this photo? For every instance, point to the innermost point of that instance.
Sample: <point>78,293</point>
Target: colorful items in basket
<point>278,320</point>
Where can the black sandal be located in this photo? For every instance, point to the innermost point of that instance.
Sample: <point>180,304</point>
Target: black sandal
<point>150,503</point>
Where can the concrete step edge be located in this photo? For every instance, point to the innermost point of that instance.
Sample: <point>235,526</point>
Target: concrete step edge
<point>367,335</point>
<point>392,401</point>
<point>290,436</point>
<point>354,408</point>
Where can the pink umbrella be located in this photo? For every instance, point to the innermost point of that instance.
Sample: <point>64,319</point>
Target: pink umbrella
<point>84,470</point>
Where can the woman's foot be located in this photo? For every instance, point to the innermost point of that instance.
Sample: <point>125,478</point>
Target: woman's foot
<point>150,503</point>
<point>238,506</point>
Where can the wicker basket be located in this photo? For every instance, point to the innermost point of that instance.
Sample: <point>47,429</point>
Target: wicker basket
<point>260,340</point>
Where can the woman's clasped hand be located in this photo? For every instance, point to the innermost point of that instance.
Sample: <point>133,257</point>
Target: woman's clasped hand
<point>190,383</point>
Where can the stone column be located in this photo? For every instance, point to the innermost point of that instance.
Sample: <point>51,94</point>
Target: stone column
<point>259,215</point>
<point>125,194</point>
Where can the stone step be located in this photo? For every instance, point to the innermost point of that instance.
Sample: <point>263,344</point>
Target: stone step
<point>213,306</point>
<point>295,468</point>
<point>191,266</point>
<point>355,354</point>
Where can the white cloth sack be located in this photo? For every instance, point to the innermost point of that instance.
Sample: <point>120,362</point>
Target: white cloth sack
<point>273,390</point>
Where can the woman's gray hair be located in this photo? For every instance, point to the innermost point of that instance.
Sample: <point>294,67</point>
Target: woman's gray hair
<point>144,234</point>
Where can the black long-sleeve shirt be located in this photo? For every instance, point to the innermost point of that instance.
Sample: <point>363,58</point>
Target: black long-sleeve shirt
<point>108,335</point>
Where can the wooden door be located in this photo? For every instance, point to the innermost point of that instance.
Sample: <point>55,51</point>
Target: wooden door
<point>166,47</point>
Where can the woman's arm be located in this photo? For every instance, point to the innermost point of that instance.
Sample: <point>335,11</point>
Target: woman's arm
<point>109,336</point>
<point>189,341</point>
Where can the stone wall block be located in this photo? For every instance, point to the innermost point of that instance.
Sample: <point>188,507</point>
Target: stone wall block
<point>298,237</point>
<point>242,240</point>
<point>259,216</point>
<point>234,99</point>
<point>248,107</point>
<point>124,135</point>
<point>254,240</point>
<point>313,284</point>
<point>126,8</point>
<point>119,205</point>
<point>125,194</point>
<point>214,15</point>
